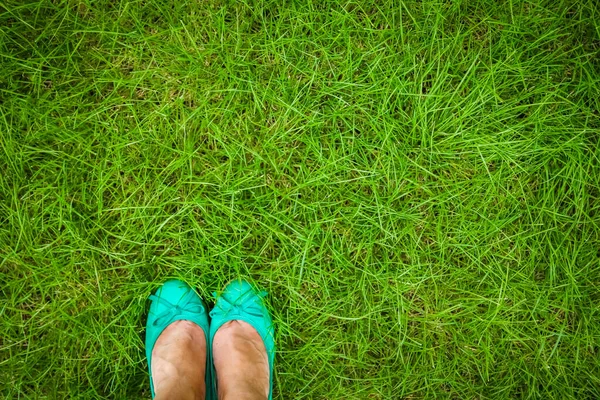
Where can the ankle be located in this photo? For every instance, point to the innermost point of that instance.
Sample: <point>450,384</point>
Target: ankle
<point>179,389</point>
<point>244,391</point>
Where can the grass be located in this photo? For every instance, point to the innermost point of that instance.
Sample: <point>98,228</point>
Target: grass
<point>417,185</point>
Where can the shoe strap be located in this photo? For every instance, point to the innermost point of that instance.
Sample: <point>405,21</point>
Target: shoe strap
<point>240,305</point>
<point>173,311</point>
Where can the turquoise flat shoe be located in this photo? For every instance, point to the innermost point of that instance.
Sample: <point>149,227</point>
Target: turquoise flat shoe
<point>239,301</point>
<point>176,301</point>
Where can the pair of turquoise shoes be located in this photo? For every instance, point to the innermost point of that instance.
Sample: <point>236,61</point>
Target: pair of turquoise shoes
<point>175,301</point>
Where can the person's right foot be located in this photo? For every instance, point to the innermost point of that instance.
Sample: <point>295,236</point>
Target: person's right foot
<point>241,362</point>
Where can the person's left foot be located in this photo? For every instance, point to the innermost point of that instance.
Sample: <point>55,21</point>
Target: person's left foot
<point>179,362</point>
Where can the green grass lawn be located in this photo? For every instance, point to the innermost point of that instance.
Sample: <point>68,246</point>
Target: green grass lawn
<point>416,184</point>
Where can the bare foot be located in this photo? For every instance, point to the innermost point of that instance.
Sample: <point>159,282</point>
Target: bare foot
<point>241,362</point>
<point>179,362</point>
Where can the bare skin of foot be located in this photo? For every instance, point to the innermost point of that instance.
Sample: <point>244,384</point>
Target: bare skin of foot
<point>179,362</point>
<point>241,362</point>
